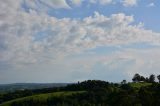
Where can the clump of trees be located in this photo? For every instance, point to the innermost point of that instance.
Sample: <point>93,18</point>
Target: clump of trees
<point>150,79</point>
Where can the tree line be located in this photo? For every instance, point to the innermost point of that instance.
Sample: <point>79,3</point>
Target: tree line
<point>150,79</point>
<point>101,93</point>
<point>97,93</point>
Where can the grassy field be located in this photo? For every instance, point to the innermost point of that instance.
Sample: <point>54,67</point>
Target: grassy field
<point>140,84</point>
<point>42,97</point>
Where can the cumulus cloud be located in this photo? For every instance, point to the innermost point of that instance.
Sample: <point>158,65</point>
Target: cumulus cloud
<point>31,37</point>
<point>128,3</point>
<point>44,5</point>
<point>30,40</point>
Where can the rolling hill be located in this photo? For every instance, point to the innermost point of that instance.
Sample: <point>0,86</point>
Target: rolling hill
<point>88,93</point>
<point>41,97</point>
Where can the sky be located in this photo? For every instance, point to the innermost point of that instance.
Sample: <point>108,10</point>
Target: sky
<point>44,41</point>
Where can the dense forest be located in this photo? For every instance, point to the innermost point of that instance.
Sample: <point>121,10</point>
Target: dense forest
<point>143,91</point>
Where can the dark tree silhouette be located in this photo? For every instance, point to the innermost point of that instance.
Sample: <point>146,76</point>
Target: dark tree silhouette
<point>152,78</point>
<point>124,82</point>
<point>143,79</point>
<point>136,78</point>
<point>147,79</point>
<point>158,77</point>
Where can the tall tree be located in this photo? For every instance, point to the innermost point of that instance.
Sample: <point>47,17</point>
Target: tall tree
<point>152,78</point>
<point>158,77</point>
<point>147,79</point>
<point>124,82</point>
<point>136,78</point>
<point>142,79</point>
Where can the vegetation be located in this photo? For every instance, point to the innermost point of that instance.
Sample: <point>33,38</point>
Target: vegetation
<point>41,97</point>
<point>141,92</point>
<point>139,78</point>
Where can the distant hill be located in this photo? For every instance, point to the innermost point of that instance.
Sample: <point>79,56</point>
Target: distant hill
<point>24,86</point>
<point>87,93</point>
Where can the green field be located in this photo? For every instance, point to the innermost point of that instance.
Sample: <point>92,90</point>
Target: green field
<point>139,84</point>
<point>42,97</point>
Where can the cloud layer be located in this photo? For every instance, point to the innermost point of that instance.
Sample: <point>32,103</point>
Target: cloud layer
<point>128,3</point>
<point>28,35</point>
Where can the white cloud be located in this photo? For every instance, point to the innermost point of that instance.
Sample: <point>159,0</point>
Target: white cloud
<point>151,5</point>
<point>76,2</point>
<point>34,37</point>
<point>102,2</point>
<point>56,3</point>
<point>128,3</point>
<point>32,41</point>
<point>44,5</point>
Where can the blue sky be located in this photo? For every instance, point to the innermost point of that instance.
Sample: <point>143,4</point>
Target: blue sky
<point>75,40</point>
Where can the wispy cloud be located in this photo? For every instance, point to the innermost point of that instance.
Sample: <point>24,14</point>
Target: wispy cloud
<point>128,3</point>
<point>56,3</point>
<point>151,5</point>
<point>76,2</point>
<point>102,2</point>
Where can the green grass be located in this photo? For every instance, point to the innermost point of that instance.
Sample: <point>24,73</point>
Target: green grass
<point>42,97</point>
<point>140,84</point>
